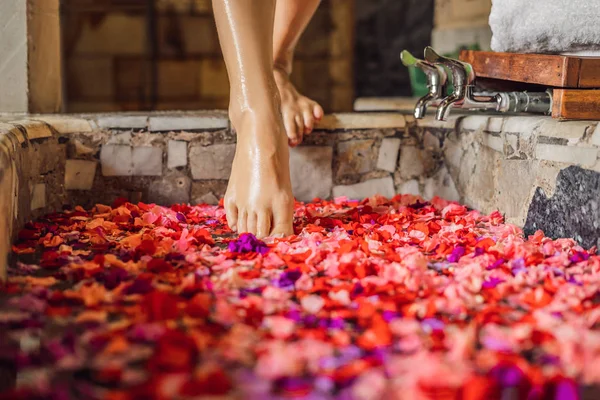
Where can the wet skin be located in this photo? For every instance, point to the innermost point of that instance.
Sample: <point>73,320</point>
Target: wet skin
<point>258,54</point>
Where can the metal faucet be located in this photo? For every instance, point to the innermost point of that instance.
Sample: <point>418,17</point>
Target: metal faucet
<point>464,96</point>
<point>436,81</point>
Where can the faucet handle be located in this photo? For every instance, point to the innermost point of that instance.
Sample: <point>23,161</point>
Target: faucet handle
<point>462,72</point>
<point>436,75</point>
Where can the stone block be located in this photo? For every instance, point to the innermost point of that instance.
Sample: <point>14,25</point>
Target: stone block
<point>176,154</point>
<point>123,121</point>
<point>355,157</point>
<point>493,142</point>
<point>595,138</point>
<point>310,170</point>
<point>173,188</point>
<point>208,198</point>
<point>38,196</point>
<point>147,161</point>
<point>441,185</point>
<point>64,124</point>
<point>474,122</point>
<point>410,187</point>
<point>583,156</point>
<point>35,129</point>
<point>572,131</point>
<point>411,163</point>
<point>212,162</point>
<point>388,154</point>
<point>512,197</point>
<point>81,150</point>
<point>79,174</point>
<point>359,191</point>
<point>116,160</point>
<point>495,124</point>
<point>213,79</point>
<point>207,191</point>
<point>187,122</point>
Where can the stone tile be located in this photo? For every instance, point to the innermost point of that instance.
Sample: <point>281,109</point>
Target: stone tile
<point>584,156</point>
<point>120,138</point>
<point>453,153</point>
<point>208,198</point>
<point>361,121</point>
<point>570,130</point>
<point>430,122</point>
<point>147,161</point>
<point>187,122</point>
<point>474,122</point>
<point>64,124</point>
<point>595,138</point>
<point>38,196</point>
<point>116,160</point>
<point>79,174</point>
<point>493,142</point>
<point>495,124</point>
<point>202,189</point>
<point>511,198</point>
<point>410,187</point>
<point>310,170</point>
<point>441,185</point>
<point>359,191</point>
<point>35,129</point>
<point>176,154</point>
<point>355,157</point>
<point>411,163</point>
<point>211,162</point>
<point>173,188</point>
<point>388,154</point>
<point>527,123</point>
<point>116,121</point>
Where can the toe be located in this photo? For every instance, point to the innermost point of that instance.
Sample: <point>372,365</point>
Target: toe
<point>231,212</point>
<point>251,223</point>
<point>283,215</point>
<point>309,120</point>
<point>243,222</point>
<point>263,224</point>
<point>291,130</point>
<point>299,127</point>
<point>318,112</point>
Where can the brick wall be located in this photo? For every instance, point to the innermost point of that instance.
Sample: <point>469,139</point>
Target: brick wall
<point>117,59</point>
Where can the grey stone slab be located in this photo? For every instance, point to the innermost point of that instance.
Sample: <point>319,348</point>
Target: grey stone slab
<point>176,154</point>
<point>410,187</point>
<point>359,191</point>
<point>79,174</point>
<point>188,122</point>
<point>116,160</point>
<point>310,170</point>
<point>172,188</point>
<point>212,162</point>
<point>117,121</point>
<point>388,154</point>
<point>147,161</point>
<point>582,156</point>
<point>411,163</point>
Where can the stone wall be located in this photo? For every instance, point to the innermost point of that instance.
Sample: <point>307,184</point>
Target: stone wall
<point>171,58</point>
<point>542,174</point>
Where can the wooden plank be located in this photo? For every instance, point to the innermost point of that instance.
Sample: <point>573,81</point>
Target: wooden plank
<point>589,74</point>
<point>540,69</point>
<point>576,104</point>
<point>44,56</point>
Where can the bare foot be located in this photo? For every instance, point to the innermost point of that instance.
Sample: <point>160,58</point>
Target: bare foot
<point>259,196</point>
<point>299,112</point>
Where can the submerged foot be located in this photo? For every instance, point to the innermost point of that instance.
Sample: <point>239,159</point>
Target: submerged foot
<point>299,112</point>
<point>259,196</point>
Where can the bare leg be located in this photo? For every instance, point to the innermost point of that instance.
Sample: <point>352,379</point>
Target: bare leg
<point>299,112</point>
<point>259,196</point>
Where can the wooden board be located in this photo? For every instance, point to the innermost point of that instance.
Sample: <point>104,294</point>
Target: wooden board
<point>540,69</point>
<point>576,104</point>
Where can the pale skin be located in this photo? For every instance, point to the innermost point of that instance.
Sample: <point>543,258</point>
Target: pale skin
<point>258,40</point>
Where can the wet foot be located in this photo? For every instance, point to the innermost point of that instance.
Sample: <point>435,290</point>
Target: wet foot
<point>299,112</point>
<point>259,196</point>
